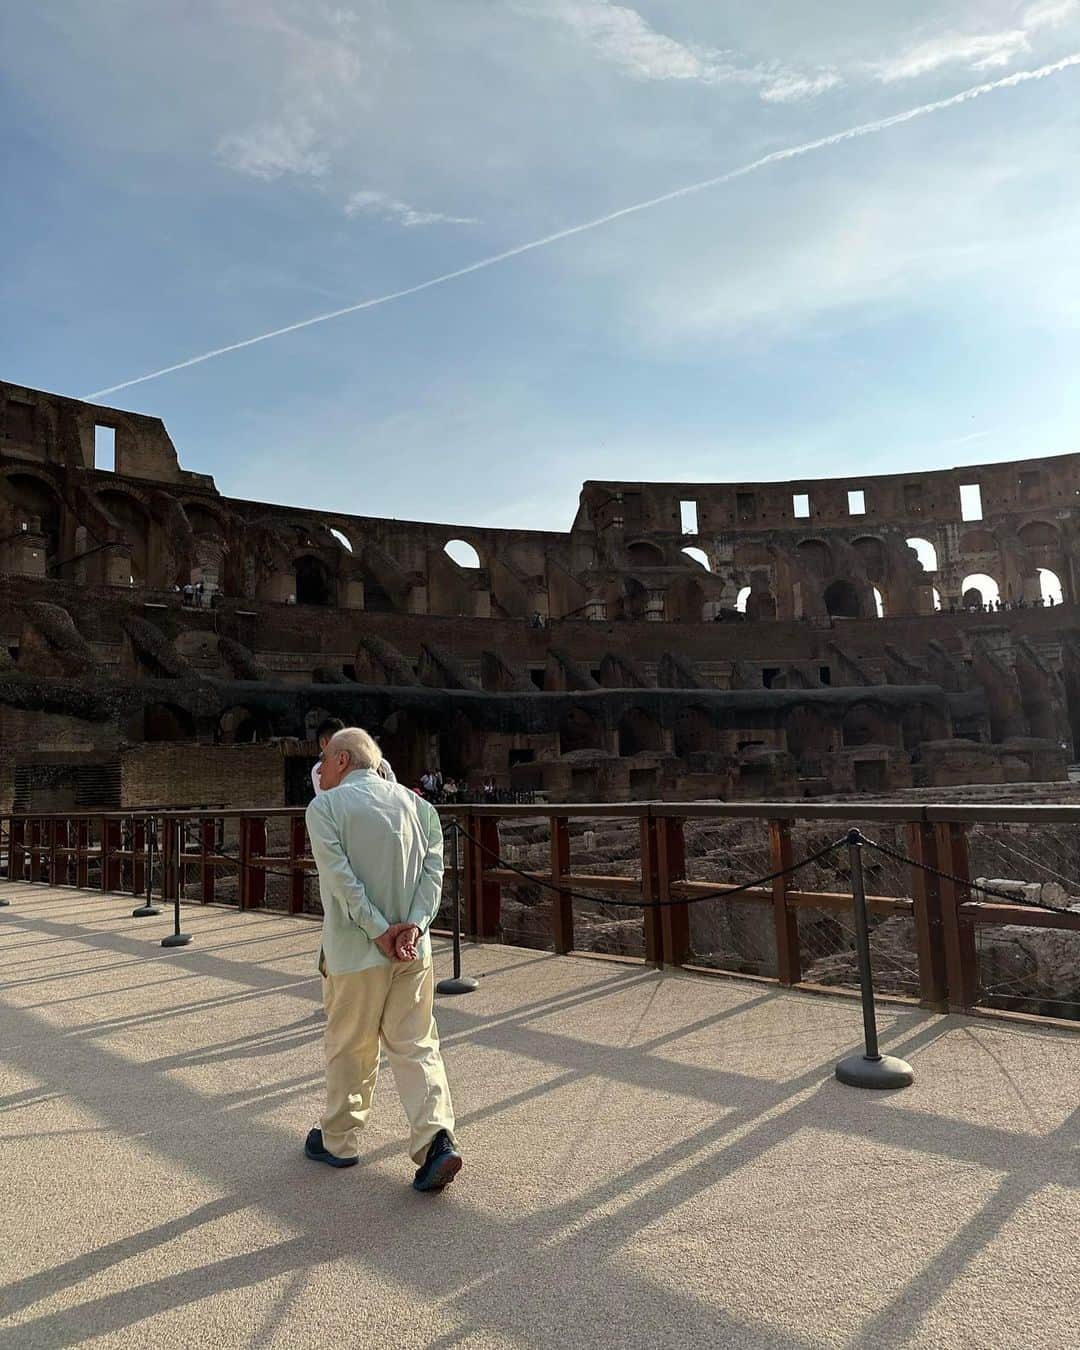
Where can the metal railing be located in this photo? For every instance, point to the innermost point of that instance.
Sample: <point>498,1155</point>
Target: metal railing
<point>955,893</point>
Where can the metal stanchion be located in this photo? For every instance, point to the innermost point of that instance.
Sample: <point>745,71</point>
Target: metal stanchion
<point>146,910</point>
<point>871,1069</point>
<point>458,983</point>
<point>176,938</point>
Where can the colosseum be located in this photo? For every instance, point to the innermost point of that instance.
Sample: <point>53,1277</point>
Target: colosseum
<point>164,643</point>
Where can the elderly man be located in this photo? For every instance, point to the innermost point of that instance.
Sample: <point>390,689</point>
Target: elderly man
<point>378,848</point>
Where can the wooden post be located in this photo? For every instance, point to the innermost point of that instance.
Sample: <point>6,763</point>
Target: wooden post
<point>297,849</point>
<point>961,957</point>
<point>167,853</point>
<point>35,850</point>
<point>650,891</point>
<point>111,876</point>
<point>926,899</point>
<point>487,899</point>
<point>16,849</point>
<point>54,858</point>
<point>252,845</point>
<point>207,846</point>
<point>82,844</point>
<point>562,906</point>
<point>138,858</point>
<point>671,866</point>
<point>785,919</point>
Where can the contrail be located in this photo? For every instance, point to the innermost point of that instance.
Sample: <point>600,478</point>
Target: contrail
<point>792,152</point>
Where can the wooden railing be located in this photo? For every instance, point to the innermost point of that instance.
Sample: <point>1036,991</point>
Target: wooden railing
<point>197,850</point>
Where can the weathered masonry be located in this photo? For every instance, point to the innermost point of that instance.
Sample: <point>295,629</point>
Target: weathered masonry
<point>684,640</point>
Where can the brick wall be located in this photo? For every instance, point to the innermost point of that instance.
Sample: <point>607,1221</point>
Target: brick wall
<point>176,774</point>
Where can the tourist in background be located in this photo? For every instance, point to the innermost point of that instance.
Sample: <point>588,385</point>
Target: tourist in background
<point>379,851</point>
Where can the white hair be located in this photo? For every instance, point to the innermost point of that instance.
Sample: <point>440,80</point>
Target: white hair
<point>362,749</point>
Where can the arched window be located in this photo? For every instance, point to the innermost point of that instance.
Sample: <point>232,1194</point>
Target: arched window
<point>314,585</point>
<point>937,597</point>
<point>741,599</point>
<point>926,553</point>
<point>462,553</point>
<point>979,589</point>
<point>842,600</point>
<point>1050,587</point>
<point>879,603</point>
<point>699,556</point>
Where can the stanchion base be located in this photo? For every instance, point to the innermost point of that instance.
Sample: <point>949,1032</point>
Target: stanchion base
<point>464,984</point>
<point>145,912</point>
<point>176,940</point>
<point>885,1072</point>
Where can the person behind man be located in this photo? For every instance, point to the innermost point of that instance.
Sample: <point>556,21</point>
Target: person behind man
<point>327,727</point>
<point>379,851</point>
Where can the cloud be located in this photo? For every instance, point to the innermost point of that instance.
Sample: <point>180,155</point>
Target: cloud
<point>370,202</point>
<point>976,51</point>
<point>774,157</point>
<point>621,36</point>
<point>274,149</point>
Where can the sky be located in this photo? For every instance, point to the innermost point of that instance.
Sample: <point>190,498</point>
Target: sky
<point>184,177</point>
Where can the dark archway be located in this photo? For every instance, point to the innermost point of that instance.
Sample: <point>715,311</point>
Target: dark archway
<point>579,730</point>
<point>32,500</point>
<point>842,600</point>
<point>167,722</point>
<point>243,726</point>
<point>639,732</point>
<point>314,584</point>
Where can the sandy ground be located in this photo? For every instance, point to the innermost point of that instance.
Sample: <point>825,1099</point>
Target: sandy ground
<point>651,1159</point>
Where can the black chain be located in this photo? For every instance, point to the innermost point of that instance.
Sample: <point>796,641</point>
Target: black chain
<point>897,856</point>
<point>724,894</point>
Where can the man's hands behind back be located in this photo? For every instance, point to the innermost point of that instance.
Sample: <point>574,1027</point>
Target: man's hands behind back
<point>399,941</point>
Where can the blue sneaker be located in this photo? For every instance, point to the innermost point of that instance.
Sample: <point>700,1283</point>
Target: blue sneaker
<point>314,1149</point>
<point>440,1167</point>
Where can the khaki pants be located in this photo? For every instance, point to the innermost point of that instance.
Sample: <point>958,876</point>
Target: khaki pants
<point>391,1003</point>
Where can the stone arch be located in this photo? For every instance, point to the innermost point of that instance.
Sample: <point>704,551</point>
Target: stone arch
<point>752,555</point>
<point>760,605</point>
<point>815,556</point>
<point>684,601</point>
<point>408,742</point>
<point>979,589</point>
<point>639,732</point>
<point>866,724</point>
<point>642,553</point>
<point>879,603</point>
<point>129,512</point>
<point>579,729</point>
<point>213,562</point>
<point>699,556</point>
<point>694,731</point>
<point>926,553</point>
<point>978,541</point>
<point>1050,587</point>
<point>314,581</point>
<point>241,725</point>
<point>842,599</point>
<point>34,502</point>
<point>463,553</point>
<point>871,552</point>
<point>167,722</point>
<point>1039,534</point>
<point>742,599</point>
<point>809,736</point>
<point>461,748</point>
<point>630,599</point>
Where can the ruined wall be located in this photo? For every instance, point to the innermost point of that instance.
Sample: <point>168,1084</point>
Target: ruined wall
<point>604,661</point>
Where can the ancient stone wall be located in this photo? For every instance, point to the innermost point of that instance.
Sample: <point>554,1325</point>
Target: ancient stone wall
<point>678,639</point>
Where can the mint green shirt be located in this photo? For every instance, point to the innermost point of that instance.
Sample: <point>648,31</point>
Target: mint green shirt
<point>379,851</point>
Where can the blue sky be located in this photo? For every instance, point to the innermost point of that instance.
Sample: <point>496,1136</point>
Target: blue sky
<point>183,177</point>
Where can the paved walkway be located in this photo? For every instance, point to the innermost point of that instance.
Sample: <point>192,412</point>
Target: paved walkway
<point>652,1160</point>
